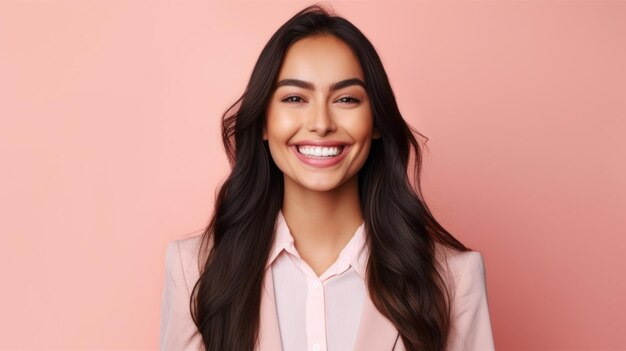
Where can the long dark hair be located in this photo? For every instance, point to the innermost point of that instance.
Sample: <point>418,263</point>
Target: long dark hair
<point>403,274</point>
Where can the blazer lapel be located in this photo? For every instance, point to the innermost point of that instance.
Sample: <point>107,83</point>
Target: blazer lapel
<point>375,332</point>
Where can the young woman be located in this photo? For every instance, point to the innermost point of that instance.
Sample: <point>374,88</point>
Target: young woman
<point>319,241</point>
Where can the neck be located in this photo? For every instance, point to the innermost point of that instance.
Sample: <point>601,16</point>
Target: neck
<point>322,222</point>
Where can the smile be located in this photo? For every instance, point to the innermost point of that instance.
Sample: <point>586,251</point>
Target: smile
<point>319,151</point>
<point>320,156</point>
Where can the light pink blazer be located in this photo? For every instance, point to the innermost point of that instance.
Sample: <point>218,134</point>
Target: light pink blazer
<point>471,329</point>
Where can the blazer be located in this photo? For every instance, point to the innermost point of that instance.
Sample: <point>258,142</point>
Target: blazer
<point>471,326</point>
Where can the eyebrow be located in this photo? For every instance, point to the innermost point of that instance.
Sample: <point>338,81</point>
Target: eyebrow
<point>310,86</point>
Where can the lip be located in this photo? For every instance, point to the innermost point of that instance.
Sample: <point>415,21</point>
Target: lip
<point>320,143</point>
<point>321,162</point>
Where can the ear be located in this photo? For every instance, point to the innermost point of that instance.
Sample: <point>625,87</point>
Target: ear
<point>376,134</point>
<point>264,132</point>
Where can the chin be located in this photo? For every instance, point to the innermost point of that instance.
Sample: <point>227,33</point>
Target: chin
<point>321,185</point>
<point>321,189</point>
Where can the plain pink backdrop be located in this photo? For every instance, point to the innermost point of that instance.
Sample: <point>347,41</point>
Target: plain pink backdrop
<point>110,148</point>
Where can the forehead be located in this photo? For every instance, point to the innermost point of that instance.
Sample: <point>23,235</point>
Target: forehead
<point>320,59</point>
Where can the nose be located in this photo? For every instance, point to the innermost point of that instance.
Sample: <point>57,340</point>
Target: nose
<point>320,120</point>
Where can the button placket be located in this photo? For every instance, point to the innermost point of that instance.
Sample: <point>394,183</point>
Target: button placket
<point>316,324</point>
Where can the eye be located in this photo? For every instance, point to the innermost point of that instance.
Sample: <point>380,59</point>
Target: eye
<point>292,98</point>
<point>349,99</point>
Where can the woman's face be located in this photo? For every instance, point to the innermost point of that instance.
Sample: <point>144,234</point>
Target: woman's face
<point>319,123</point>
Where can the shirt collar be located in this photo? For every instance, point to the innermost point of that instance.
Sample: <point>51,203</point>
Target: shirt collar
<point>356,250</point>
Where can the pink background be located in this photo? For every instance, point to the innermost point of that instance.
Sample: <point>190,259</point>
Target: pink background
<point>109,148</point>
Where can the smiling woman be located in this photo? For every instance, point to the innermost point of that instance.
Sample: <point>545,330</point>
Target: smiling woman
<point>319,241</point>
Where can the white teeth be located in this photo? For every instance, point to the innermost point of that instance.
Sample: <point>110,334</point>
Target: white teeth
<point>319,151</point>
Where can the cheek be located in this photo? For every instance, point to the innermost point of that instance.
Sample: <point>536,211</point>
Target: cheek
<point>359,125</point>
<point>281,126</point>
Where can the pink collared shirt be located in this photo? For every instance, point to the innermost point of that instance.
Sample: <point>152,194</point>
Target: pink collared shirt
<point>318,313</point>
<point>302,326</point>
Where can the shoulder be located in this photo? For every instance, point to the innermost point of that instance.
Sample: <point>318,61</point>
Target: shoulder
<point>188,246</point>
<point>182,255</point>
<point>465,270</point>
<point>470,320</point>
<point>177,328</point>
<point>464,262</point>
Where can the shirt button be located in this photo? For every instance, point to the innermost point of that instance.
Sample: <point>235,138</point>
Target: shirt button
<point>316,347</point>
<point>316,284</point>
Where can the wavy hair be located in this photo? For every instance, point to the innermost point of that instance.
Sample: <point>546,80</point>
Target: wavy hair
<point>403,274</point>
